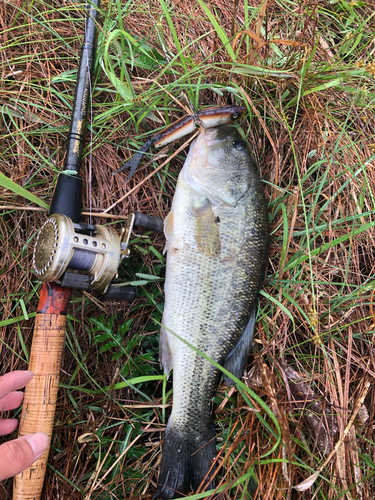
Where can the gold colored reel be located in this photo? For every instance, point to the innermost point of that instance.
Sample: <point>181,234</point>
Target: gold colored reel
<point>82,255</point>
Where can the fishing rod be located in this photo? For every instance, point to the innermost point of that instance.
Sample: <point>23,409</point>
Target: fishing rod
<point>68,254</point>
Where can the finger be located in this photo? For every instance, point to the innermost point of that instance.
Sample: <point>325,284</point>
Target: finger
<point>11,401</point>
<point>7,426</point>
<point>13,381</point>
<point>17,455</point>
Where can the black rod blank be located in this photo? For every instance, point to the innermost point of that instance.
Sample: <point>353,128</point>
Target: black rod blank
<point>67,198</point>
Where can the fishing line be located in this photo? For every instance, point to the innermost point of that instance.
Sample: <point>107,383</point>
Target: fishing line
<point>161,40</point>
<point>134,161</point>
<point>192,108</point>
<point>82,260</point>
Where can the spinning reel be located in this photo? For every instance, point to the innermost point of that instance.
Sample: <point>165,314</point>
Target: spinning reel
<point>85,256</point>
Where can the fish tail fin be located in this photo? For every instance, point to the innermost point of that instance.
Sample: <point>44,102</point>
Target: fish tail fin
<point>203,454</point>
<point>174,471</point>
<point>186,461</point>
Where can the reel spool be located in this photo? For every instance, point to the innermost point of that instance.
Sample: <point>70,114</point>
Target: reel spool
<point>84,256</point>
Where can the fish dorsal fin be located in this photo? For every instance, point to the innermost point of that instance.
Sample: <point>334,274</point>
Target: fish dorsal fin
<point>206,229</point>
<point>237,358</point>
<point>168,230</point>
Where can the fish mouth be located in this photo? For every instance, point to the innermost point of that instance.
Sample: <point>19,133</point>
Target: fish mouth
<point>216,135</point>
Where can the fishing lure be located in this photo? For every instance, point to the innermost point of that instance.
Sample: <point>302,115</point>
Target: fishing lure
<point>207,118</point>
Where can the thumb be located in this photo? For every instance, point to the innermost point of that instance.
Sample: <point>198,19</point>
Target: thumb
<point>17,455</point>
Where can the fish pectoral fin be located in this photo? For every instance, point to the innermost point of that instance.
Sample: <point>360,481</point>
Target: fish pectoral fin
<point>168,230</point>
<point>165,355</point>
<point>237,358</point>
<point>206,230</point>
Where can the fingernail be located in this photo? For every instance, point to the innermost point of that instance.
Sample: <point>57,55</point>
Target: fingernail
<point>38,442</point>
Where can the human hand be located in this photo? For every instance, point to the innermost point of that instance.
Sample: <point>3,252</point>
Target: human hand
<point>17,455</point>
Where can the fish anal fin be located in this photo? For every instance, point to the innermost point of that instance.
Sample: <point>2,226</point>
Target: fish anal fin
<point>206,229</point>
<point>165,355</point>
<point>168,230</point>
<point>237,358</point>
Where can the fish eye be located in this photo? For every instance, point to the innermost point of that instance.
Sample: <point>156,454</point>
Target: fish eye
<point>239,144</point>
<point>234,116</point>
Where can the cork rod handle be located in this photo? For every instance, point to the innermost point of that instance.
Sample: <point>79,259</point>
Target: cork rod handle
<point>38,412</point>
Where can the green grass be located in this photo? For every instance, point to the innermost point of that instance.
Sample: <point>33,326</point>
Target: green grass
<point>310,97</point>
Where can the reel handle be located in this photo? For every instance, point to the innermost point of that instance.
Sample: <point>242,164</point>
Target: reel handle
<point>125,293</point>
<point>38,411</point>
<point>150,222</point>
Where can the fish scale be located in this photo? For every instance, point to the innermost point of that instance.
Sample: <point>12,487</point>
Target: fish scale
<point>221,320</point>
<point>217,242</point>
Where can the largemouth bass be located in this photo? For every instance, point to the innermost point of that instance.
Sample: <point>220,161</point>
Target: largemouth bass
<point>217,241</point>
